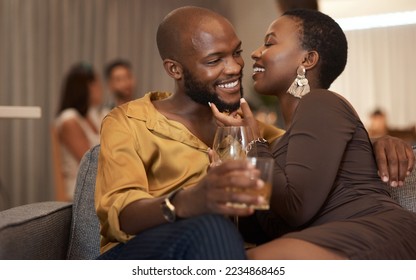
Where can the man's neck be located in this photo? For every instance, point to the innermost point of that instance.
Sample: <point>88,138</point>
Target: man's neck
<point>197,118</point>
<point>184,107</point>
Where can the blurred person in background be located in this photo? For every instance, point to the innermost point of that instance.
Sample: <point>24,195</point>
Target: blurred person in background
<point>378,124</point>
<point>79,119</point>
<point>120,80</point>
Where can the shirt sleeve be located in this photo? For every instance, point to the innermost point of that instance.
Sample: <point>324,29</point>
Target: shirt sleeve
<point>121,176</point>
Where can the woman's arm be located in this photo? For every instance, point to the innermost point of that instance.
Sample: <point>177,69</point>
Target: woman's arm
<point>321,128</point>
<point>395,158</point>
<point>74,138</point>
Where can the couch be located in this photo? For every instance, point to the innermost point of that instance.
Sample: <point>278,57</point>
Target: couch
<point>55,230</point>
<point>59,230</point>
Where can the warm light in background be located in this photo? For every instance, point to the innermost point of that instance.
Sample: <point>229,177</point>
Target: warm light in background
<point>375,21</point>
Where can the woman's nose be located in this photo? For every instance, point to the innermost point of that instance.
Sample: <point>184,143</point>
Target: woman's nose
<point>256,54</point>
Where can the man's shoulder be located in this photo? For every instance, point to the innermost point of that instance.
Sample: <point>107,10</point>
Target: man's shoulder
<point>146,100</point>
<point>141,108</point>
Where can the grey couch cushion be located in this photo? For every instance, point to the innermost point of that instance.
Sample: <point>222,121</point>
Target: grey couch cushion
<point>406,195</point>
<point>84,242</point>
<point>35,231</point>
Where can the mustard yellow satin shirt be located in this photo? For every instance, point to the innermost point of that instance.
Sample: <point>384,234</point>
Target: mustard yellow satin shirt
<point>145,155</point>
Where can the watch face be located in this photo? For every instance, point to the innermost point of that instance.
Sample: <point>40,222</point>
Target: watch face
<point>168,211</point>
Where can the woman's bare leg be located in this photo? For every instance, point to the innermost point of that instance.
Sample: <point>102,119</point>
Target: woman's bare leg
<point>293,249</point>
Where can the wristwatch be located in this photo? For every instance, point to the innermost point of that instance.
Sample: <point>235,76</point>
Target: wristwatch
<point>168,210</point>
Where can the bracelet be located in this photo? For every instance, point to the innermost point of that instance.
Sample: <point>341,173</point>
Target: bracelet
<point>252,142</point>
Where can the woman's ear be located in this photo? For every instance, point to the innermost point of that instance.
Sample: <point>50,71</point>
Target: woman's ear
<point>173,68</point>
<point>310,60</point>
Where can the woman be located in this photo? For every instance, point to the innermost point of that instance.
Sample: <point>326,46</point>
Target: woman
<point>79,119</point>
<point>328,201</point>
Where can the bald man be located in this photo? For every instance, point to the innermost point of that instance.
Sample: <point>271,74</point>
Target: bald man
<point>156,196</point>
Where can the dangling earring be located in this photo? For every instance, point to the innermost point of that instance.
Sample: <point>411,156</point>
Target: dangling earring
<point>300,86</point>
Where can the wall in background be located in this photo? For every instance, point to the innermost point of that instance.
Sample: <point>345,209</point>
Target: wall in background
<point>380,63</point>
<point>40,39</point>
<point>353,8</point>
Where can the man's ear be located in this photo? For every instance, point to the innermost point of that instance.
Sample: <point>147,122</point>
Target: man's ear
<point>173,68</point>
<point>310,60</point>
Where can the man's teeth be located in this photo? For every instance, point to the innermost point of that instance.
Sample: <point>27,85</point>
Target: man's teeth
<point>258,69</point>
<point>228,85</point>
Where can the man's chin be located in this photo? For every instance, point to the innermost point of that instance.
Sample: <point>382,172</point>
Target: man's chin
<point>227,107</point>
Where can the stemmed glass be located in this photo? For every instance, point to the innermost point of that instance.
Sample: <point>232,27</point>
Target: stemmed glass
<point>231,142</point>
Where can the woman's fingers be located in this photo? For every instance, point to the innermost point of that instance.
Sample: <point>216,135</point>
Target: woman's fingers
<point>233,119</point>
<point>244,116</point>
<point>249,119</point>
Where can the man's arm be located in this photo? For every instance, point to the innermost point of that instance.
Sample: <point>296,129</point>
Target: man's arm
<point>124,202</point>
<point>210,195</point>
<point>395,159</point>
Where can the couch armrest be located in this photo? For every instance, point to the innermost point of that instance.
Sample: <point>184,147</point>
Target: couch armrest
<point>35,231</point>
<point>406,195</point>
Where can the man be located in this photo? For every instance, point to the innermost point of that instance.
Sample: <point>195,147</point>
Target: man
<point>378,124</point>
<point>120,81</point>
<point>155,196</point>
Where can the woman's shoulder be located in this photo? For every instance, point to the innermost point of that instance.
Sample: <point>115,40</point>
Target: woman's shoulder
<point>67,115</point>
<point>324,96</point>
<point>329,99</point>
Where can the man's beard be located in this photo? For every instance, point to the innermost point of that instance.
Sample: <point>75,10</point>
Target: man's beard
<point>200,93</point>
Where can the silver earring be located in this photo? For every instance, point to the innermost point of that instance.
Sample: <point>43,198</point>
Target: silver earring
<point>300,86</point>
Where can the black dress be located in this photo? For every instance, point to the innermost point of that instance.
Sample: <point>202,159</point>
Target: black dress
<point>326,189</point>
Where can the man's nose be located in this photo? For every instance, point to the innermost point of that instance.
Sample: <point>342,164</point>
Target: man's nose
<point>234,65</point>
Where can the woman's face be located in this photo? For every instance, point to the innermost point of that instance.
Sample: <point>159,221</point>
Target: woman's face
<point>277,60</point>
<point>96,92</point>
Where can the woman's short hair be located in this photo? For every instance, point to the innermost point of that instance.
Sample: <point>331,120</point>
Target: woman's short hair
<point>321,33</point>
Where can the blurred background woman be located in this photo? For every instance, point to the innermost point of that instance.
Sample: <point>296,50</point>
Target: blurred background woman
<point>79,119</point>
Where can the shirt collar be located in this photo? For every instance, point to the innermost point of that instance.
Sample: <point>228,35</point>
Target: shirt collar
<point>144,110</point>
